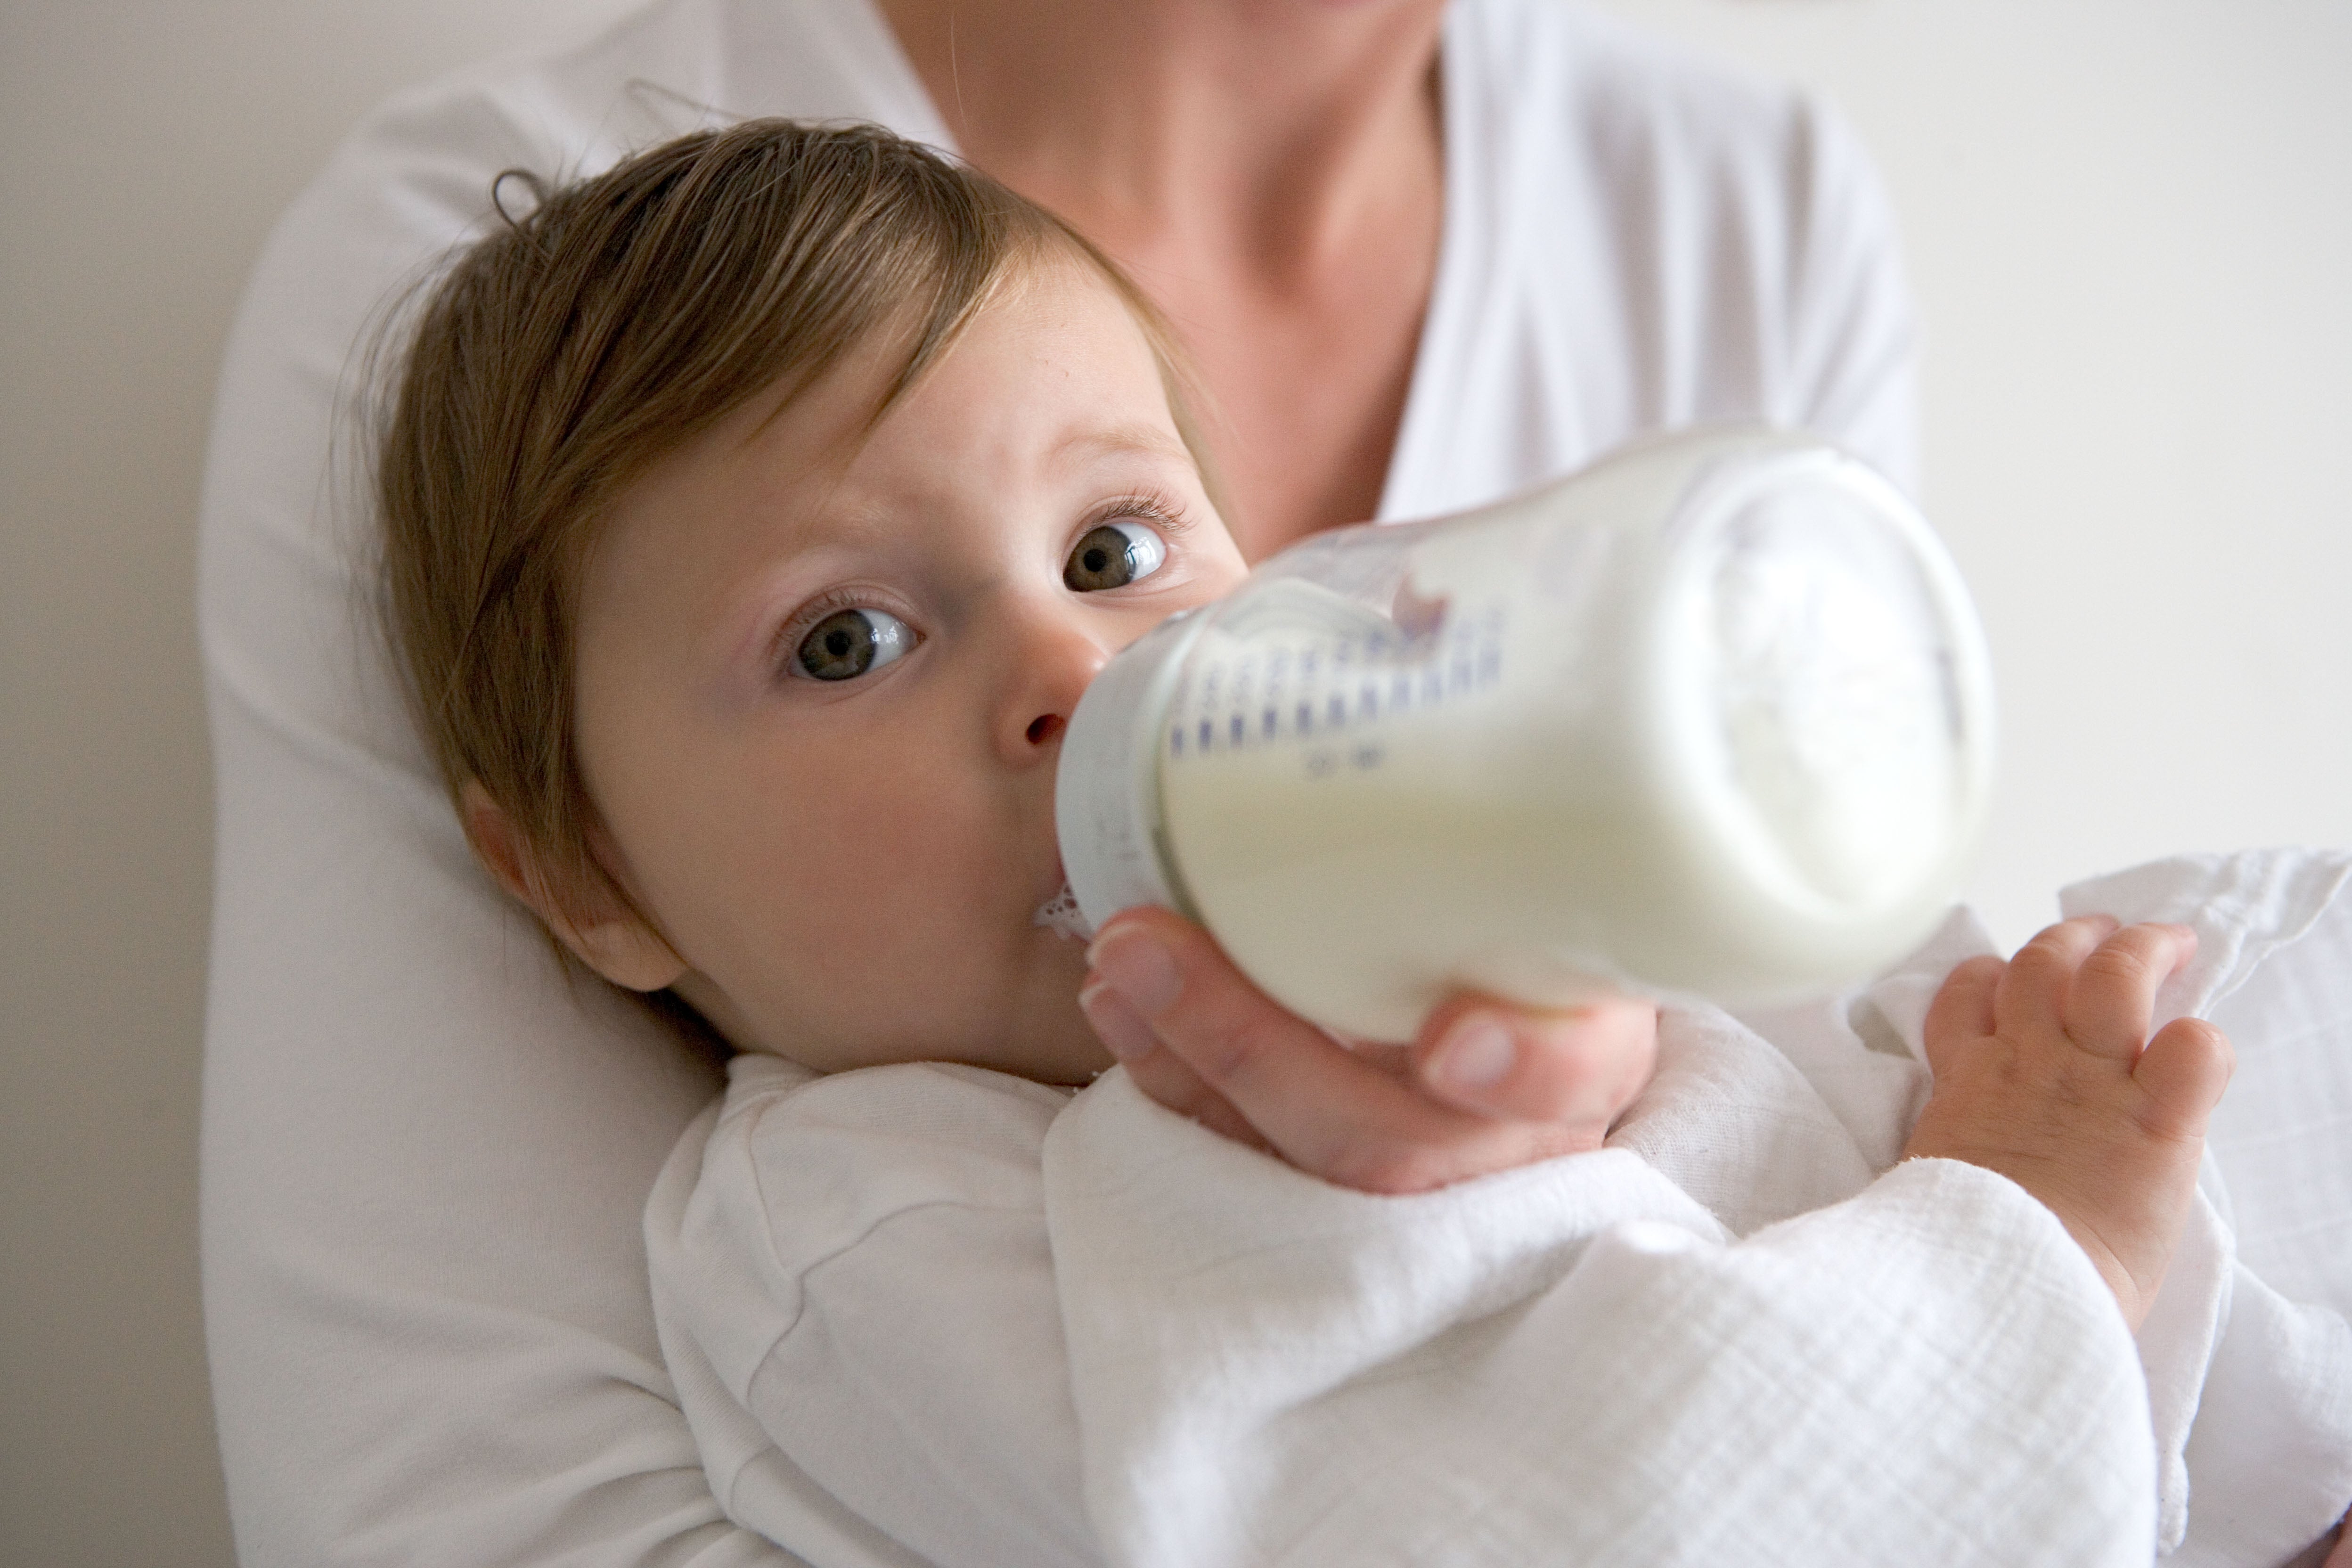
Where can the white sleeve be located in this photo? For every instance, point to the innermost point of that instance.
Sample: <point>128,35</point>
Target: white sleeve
<point>1571,1363</point>
<point>1852,344</point>
<point>855,1294</point>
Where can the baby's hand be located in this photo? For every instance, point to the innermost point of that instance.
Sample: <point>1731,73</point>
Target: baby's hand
<point>2045,1073</point>
<point>1485,1088</point>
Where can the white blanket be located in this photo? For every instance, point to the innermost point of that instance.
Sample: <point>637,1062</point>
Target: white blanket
<point>931,1314</point>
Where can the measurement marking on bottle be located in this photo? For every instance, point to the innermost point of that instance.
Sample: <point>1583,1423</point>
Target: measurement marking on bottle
<point>1301,693</point>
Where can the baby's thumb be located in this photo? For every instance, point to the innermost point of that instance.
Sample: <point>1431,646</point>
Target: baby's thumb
<point>2184,1071</point>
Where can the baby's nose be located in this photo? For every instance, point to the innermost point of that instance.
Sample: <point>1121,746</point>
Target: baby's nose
<point>1054,661</point>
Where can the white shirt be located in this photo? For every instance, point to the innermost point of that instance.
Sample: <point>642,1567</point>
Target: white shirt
<point>1000,1328</point>
<point>425,1151</point>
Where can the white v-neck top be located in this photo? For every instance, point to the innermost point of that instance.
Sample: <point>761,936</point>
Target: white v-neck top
<point>1632,243</point>
<point>425,1153</point>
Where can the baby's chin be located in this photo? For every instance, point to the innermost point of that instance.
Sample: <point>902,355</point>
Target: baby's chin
<point>1045,1046</point>
<point>1030,1025</point>
<point>1055,1044</point>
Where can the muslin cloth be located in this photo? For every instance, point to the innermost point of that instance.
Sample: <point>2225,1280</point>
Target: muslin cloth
<point>934,1314</point>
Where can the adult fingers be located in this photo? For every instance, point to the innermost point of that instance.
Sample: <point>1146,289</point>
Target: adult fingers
<point>1319,1106</point>
<point>2340,1556</point>
<point>1962,1010</point>
<point>1581,1066</point>
<point>1160,1074</point>
<point>2033,993</point>
<point>2111,1005</point>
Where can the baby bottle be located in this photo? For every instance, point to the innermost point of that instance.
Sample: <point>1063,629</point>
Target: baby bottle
<point>1712,718</point>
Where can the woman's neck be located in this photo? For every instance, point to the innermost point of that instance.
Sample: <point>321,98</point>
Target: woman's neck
<point>1271,171</point>
<point>1264,134</point>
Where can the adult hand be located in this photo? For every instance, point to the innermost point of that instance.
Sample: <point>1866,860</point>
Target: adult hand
<point>1488,1086</point>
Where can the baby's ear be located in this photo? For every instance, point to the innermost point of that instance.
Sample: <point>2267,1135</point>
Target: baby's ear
<point>594,923</point>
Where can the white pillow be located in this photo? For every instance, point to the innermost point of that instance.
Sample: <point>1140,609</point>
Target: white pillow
<point>426,1154</point>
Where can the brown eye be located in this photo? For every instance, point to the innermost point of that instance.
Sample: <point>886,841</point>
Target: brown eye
<point>847,643</point>
<point>1112,556</point>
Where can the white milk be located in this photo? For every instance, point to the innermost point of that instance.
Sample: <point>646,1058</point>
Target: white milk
<point>1711,718</point>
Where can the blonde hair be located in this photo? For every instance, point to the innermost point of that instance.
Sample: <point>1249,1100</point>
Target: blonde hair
<point>567,352</point>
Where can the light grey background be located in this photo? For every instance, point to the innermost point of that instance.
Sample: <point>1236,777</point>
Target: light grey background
<point>2130,223</point>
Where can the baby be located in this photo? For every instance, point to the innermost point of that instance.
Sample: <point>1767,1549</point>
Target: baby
<point>755,514</point>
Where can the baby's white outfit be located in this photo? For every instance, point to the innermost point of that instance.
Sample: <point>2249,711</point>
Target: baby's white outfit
<point>936,1314</point>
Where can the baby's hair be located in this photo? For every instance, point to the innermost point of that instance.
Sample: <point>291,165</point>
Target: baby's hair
<point>580,341</point>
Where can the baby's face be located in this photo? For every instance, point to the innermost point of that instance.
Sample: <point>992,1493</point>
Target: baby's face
<point>821,686</point>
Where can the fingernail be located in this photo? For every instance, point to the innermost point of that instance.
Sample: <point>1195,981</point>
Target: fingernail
<point>1476,1055</point>
<point>1115,1024</point>
<point>1139,967</point>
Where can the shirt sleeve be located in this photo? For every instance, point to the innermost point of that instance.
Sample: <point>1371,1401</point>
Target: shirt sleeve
<point>1853,338</point>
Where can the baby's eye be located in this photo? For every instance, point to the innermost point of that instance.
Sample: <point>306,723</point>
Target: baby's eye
<point>1112,556</point>
<point>847,643</point>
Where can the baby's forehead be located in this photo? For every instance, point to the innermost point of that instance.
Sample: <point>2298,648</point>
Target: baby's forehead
<point>1048,399</point>
<point>1055,371</point>
<point>1054,295</point>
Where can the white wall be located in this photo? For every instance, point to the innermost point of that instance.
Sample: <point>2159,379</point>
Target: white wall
<point>145,146</point>
<point>2129,225</point>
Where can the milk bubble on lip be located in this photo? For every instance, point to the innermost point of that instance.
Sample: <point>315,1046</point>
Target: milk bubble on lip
<point>1060,915</point>
<point>1711,718</point>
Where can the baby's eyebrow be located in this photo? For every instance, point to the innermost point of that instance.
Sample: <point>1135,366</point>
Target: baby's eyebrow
<point>1142,439</point>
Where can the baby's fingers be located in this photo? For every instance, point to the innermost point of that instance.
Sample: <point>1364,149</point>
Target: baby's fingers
<point>2111,1005</point>
<point>2031,997</point>
<point>1962,1010</point>
<point>2184,1071</point>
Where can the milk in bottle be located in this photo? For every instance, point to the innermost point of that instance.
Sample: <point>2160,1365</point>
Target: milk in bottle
<point>1712,718</point>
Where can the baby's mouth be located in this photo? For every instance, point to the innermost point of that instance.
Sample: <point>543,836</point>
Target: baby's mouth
<point>1059,914</point>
